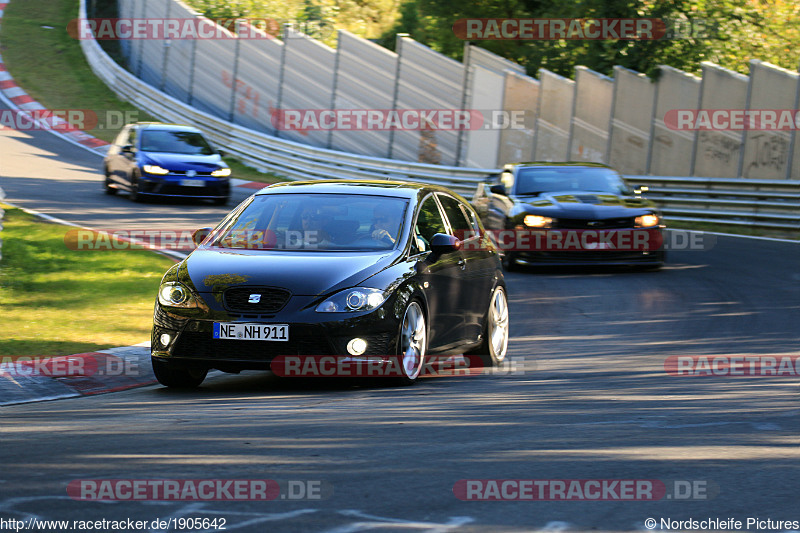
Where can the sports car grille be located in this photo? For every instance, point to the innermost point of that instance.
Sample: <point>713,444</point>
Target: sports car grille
<point>243,299</point>
<point>610,223</point>
<point>200,345</point>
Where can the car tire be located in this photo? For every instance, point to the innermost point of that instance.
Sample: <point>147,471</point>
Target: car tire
<point>178,376</point>
<point>135,194</point>
<point>494,347</point>
<point>109,190</point>
<point>412,343</point>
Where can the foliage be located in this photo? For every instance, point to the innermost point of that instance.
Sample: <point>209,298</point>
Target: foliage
<point>727,32</point>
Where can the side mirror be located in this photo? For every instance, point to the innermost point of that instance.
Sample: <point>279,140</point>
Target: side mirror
<point>498,188</point>
<point>127,149</point>
<point>444,244</point>
<point>199,235</point>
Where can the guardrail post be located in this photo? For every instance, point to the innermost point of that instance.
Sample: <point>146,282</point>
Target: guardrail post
<point>793,134</point>
<point>141,43</point>
<point>329,142</point>
<point>279,99</point>
<point>192,62</point>
<point>464,97</point>
<point>166,55</point>
<point>399,50</point>
<point>234,76</point>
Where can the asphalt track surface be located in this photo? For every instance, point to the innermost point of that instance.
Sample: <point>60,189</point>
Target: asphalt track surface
<point>589,399</point>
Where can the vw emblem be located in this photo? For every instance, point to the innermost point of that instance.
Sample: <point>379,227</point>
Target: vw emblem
<point>254,299</point>
<point>191,173</point>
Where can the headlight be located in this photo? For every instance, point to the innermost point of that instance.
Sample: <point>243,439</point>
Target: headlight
<point>221,172</point>
<point>536,221</point>
<point>351,300</point>
<point>175,294</point>
<point>155,169</point>
<point>647,221</point>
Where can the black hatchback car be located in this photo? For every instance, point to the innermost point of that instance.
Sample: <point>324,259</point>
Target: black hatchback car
<point>570,213</point>
<point>153,159</point>
<point>353,269</point>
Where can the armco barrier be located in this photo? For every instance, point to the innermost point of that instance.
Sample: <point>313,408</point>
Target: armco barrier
<point>760,203</point>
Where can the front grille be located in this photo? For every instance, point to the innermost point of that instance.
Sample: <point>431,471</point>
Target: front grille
<point>610,223</point>
<point>201,345</point>
<point>271,299</point>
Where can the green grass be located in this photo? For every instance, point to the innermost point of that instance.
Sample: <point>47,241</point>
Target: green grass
<point>57,301</point>
<point>50,66</point>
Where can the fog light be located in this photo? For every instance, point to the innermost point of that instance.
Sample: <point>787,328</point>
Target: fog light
<point>357,346</point>
<point>165,339</point>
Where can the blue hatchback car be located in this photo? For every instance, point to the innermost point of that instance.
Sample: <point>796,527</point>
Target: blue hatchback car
<point>156,159</point>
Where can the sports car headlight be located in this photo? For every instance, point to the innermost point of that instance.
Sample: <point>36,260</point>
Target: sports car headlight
<point>175,294</point>
<point>221,172</point>
<point>155,169</point>
<point>647,221</point>
<point>351,300</point>
<point>536,221</point>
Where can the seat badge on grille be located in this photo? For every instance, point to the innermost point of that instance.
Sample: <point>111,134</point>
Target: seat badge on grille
<point>594,223</point>
<point>254,299</point>
<point>191,173</point>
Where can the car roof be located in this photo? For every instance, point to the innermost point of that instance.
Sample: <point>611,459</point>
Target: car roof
<point>401,189</point>
<point>164,126</point>
<point>546,164</point>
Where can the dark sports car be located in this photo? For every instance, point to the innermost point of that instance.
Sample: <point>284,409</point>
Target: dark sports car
<point>570,214</point>
<point>352,269</point>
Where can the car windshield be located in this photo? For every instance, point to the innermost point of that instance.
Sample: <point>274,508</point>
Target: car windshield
<point>315,222</point>
<point>175,142</point>
<point>532,181</point>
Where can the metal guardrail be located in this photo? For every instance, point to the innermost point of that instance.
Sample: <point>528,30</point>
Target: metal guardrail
<point>756,203</point>
<point>731,201</point>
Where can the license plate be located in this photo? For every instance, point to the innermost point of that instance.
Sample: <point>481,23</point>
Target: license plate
<point>251,332</point>
<point>193,183</point>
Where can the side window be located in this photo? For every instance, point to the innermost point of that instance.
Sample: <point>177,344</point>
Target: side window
<point>121,138</point>
<point>429,223</point>
<point>131,137</point>
<point>452,208</point>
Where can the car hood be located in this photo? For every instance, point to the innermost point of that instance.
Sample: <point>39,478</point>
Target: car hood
<point>302,273</point>
<point>202,163</point>
<point>586,204</point>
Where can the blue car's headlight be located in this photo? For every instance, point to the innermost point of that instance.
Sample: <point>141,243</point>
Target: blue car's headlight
<point>351,300</point>
<point>176,294</point>
<point>155,169</point>
<point>221,172</point>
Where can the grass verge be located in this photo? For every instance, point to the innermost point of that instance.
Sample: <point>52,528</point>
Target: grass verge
<point>50,66</point>
<point>54,299</point>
